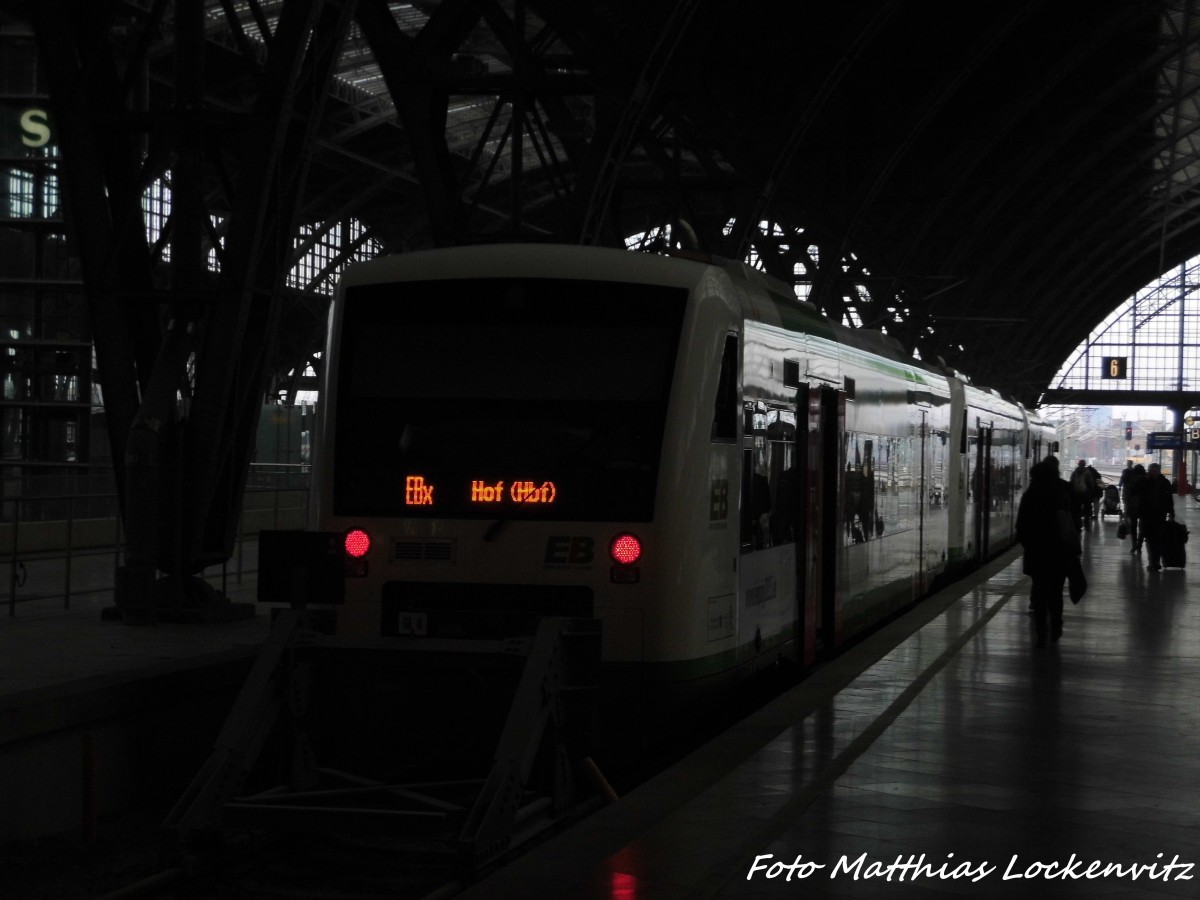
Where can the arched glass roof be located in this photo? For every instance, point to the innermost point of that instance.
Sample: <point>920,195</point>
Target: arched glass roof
<point>803,258</point>
<point>1157,331</point>
<point>321,249</point>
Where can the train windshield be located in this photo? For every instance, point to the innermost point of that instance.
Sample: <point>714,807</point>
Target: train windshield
<point>504,398</point>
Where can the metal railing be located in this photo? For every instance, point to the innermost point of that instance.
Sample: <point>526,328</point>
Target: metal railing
<point>63,544</point>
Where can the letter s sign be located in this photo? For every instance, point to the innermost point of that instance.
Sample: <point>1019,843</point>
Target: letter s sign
<point>35,128</point>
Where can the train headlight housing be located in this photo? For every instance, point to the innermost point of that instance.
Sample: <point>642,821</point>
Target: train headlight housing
<point>356,543</point>
<point>625,549</point>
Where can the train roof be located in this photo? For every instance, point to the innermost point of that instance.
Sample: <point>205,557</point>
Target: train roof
<point>549,260</point>
<point>767,298</point>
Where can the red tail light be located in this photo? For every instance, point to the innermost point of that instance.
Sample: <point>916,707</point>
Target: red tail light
<point>625,549</point>
<point>357,543</point>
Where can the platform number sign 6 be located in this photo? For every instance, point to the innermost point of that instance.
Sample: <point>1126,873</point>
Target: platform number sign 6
<point>1114,367</point>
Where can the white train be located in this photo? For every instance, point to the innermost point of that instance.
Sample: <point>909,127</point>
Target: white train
<point>680,449</point>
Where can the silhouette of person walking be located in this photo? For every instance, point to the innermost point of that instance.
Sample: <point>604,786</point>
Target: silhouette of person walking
<point>1048,522</point>
<point>1131,501</point>
<point>1154,504</point>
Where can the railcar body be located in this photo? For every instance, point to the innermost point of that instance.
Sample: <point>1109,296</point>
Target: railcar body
<point>683,450</point>
<point>991,435</point>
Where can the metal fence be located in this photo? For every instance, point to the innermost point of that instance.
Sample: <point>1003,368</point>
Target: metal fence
<point>63,539</point>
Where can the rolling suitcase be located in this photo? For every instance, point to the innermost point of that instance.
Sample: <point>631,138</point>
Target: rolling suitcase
<point>1174,536</point>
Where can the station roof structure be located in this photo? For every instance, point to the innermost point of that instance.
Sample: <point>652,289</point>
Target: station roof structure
<point>985,181</point>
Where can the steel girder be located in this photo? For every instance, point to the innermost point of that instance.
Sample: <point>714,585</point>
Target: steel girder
<point>183,354</point>
<point>408,66</point>
<point>99,170</point>
<point>231,361</point>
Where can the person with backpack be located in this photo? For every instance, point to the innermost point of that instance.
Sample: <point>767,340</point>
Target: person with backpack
<point>1130,495</point>
<point>1085,488</point>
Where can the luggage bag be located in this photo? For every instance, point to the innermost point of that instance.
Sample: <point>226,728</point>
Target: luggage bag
<point>1174,536</point>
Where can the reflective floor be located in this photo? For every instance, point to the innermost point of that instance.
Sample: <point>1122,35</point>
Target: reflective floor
<point>963,762</point>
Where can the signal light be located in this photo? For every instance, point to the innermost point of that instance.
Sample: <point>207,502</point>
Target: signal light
<point>357,543</point>
<point>625,549</point>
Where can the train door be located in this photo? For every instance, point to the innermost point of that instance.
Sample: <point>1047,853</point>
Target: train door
<point>923,493</point>
<point>983,491</point>
<point>825,424</point>
<point>808,567</point>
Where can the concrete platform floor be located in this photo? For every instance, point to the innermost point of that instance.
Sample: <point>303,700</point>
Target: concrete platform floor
<point>1006,769</point>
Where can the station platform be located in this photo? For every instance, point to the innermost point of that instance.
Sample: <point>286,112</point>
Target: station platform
<point>946,755</point>
<point>97,716</point>
<point>946,740</point>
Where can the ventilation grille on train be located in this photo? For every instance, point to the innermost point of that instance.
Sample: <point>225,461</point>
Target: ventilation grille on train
<point>423,551</point>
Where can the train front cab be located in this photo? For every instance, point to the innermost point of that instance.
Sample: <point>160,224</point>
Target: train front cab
<point>758,391</point>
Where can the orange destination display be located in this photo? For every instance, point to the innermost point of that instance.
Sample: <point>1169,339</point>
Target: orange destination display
<point>420,492</point>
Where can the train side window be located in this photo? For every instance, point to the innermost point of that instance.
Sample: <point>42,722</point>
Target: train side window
<point>757,489</point>
<point>782,476</point>
<point>757,501</point>
<point>725,408</point>
<point>863,522</point>
<point>746,511</point>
